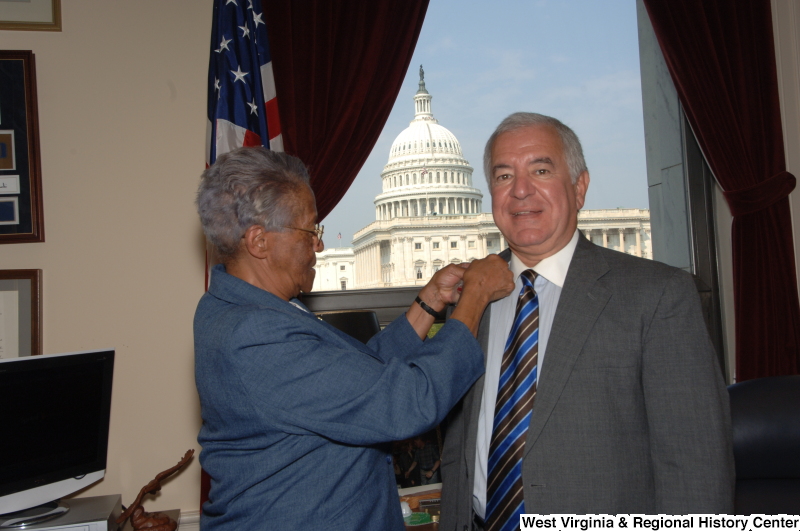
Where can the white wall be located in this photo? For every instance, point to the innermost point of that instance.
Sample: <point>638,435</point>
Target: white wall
<point>122,114</point>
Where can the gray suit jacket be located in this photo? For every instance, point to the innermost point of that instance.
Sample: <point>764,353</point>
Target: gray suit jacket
<point>631,412</point>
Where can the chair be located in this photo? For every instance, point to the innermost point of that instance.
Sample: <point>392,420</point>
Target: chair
<point>766,445</point>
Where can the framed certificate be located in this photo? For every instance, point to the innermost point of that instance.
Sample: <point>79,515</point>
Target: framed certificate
<point>36,15</point>
<point>20,312</point>
<point>21,214</point>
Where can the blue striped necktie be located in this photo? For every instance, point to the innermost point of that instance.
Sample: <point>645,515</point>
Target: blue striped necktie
<point>512,414</point>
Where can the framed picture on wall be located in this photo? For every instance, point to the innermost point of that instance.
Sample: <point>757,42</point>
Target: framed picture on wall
<point>20,312</point>
<point>36,15</point>
<point>21,213</point>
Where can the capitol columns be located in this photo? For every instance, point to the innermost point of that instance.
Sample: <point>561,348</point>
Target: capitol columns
<point>394,272</point>
<point>428,256</point>
<point>482,243</point>
<point>446,241</point>
<point>408,259</point>
<point>463,239</point>
<point>605,238</point>
<point>639,241</point>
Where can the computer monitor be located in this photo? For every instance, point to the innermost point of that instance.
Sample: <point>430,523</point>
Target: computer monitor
<point>54,418</point>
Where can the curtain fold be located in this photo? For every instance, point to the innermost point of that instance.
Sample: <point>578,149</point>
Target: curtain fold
<point>721,57</point>
<point>339,66</point>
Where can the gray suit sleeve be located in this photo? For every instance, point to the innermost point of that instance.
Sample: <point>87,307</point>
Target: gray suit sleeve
<point>687,407</point>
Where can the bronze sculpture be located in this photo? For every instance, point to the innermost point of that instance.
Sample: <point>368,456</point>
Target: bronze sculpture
<point>141,519</point>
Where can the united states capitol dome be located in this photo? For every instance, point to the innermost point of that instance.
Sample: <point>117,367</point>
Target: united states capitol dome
<point>426,173</point>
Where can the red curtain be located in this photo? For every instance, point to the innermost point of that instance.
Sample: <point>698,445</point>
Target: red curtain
<point>339,66</point>
<point>721,57</point>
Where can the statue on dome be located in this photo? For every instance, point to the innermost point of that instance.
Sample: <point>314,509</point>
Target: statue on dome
<point>421,73</point>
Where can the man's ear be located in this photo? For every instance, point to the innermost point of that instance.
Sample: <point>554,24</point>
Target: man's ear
<point>581,185</point>
<point>257,241</point>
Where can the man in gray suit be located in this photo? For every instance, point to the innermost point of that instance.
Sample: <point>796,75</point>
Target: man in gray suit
<point>627,411</point>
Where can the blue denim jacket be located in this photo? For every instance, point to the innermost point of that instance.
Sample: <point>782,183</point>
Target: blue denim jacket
<point>295,413</point>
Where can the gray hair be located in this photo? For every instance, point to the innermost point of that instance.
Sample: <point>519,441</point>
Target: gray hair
<point>573,151</point>
<point>245,187</point>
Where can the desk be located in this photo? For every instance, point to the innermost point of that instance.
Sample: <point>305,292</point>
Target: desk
<point>424,527</point>
<point>423,499</point>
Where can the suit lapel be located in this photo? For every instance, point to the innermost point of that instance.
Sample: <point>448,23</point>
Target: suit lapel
<point>580,304</point>
<point>472,402</point>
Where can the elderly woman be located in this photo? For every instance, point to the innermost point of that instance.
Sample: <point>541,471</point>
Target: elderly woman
<point>294,411</point>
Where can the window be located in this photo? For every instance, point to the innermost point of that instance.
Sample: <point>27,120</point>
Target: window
<point>341,268</point>
<point>471,244</point>
<point>418,246</point>
<point>435,268</point>
<point>419,272</point>
<point>435,245</point>
<point>489,243</point>
<point>344,285</point>
<point>454,245</point>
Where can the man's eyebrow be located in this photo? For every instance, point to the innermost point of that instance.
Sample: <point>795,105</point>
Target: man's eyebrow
<point>541,160</point>
<point>500,167</point>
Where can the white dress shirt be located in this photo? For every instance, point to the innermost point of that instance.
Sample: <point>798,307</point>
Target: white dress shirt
<point>552,271</point>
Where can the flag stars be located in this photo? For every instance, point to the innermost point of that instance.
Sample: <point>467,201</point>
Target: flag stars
<point>257,19</point>
<point>251,4</point>
<point>245,31</point>
<point>239,75</point>
<point>224,44</point>
<point>253,107</point>
<point>231,2</point>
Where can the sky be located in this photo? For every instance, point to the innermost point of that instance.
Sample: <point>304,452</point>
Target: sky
<point>575,60</point>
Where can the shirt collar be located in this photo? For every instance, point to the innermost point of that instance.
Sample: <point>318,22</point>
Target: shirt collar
<point>553,268</point>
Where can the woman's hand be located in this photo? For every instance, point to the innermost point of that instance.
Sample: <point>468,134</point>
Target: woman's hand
<point>479,282</point>
<point>486,280</point>
<point>490,276</point>
<point>444,287</point>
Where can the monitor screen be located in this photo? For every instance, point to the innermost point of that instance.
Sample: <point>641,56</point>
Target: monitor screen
<point>54,417</point>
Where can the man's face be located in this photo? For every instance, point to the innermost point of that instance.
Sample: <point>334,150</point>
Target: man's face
<point>534,203</point>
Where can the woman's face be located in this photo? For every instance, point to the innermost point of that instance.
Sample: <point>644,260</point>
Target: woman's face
<point>293,258</point>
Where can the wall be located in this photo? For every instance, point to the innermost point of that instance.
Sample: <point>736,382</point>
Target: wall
<point>122,93</point>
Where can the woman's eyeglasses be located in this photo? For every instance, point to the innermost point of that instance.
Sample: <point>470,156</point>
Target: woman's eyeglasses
<point>318,230</point>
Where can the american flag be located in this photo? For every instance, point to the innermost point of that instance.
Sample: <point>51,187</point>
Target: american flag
<point>242,107</point>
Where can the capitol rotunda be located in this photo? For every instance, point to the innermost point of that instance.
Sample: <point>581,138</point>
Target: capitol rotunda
<point>429,215</point>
